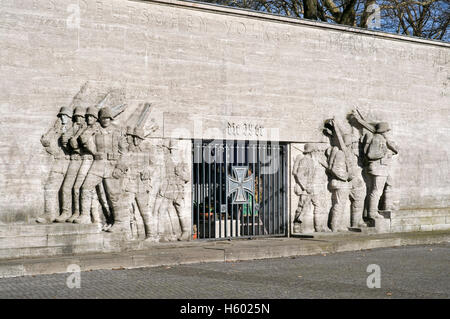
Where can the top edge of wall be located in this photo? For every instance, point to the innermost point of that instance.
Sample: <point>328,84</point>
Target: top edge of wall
<point>296,21</point>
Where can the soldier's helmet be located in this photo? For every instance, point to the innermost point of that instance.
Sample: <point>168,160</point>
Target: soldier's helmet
<point>65,111</point>
<point>105,113</point>
<point>79,111</point>
<point>139,132</point>
<point>92,110</point>
<point>382,127</point>
<point>309,148</point>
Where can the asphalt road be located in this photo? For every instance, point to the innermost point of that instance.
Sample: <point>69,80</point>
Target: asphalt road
<point>405,272</point>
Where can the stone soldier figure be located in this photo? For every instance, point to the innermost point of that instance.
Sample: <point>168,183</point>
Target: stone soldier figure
<point>172,189</point>
<point>357,185</point>
<point>78,126</point>
<point>339,186</point>
<point>108,144</point>
<point>311,177</point>
<point>80,140</point>
<point>379,150</point>
<point>138,185</point>
<point>56,147</point>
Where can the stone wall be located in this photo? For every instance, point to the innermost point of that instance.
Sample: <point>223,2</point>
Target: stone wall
<point>206,67</point>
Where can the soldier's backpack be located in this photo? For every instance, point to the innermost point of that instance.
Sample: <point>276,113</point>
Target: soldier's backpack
<point>377,147</point>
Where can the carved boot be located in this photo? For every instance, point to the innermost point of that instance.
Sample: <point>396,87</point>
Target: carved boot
<point>46,218</point>
<point>121,222</point>
<point>83,219</point>
<point>63,217</point>
<point>185,228</point>
<point>375,215</point>
<point>73,217</point>
<point>357,221</point>
<point>320,221</point>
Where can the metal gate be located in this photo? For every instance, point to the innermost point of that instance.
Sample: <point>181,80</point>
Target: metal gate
<point>239,189</point>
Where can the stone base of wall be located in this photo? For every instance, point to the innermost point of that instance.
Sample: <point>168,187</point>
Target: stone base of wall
<point>420,220</point>
<point>34,240</point>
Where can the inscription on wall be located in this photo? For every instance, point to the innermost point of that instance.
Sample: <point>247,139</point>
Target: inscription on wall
<point>245,129</point>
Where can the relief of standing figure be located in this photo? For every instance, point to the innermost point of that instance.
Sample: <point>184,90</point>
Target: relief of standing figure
<point>78,126</point>
<point>172,191</point>
<point>107,145</point>
<point>310,176</point>
<point>357,185</point>
<point>52,141</point>
<point>379,150</point>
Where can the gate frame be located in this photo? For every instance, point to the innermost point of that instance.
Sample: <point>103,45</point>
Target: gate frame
<point>285,202</point>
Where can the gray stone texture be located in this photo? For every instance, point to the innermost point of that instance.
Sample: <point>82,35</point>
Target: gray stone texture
<point>203,67</point>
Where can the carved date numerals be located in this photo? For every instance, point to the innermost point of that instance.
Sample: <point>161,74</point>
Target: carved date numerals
<point>244,129</point>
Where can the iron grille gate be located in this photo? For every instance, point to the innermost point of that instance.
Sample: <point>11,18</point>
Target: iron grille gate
<point>239,189</point>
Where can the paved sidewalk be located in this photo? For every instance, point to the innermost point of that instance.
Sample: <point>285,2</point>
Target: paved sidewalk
<point>219,251</point>
<point>419,271</point>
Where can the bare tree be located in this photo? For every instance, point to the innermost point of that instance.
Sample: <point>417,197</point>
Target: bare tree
<point>422,18</point>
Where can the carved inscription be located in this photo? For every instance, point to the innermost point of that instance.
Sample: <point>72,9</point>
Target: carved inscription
<point>244,129</point>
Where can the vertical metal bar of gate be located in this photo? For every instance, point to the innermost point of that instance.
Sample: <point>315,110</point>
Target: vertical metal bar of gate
<point>203,196</point>
<point>279,188</point>
<point>215,191</point>
<point>197,193</point>
<point>265,163</point>
<point>225,171</point>
<point>258,159</point>
<point>254,185</point>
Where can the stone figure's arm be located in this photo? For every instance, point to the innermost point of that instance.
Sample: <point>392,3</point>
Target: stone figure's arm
<point>365,140</point>
<point>338,131</point>
<point>87,140</point>
<point>123,143</point>
<point>323,163</point>
<point>182,171</point>
<point>339,167</point>
<point>392,146</point>
<point>73,141</point>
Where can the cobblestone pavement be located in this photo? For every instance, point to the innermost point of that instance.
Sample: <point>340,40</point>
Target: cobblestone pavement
<point>406,272</point>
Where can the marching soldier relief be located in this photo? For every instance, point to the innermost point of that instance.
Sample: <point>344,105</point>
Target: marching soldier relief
<point>103,174</point>
<point>348,157</point>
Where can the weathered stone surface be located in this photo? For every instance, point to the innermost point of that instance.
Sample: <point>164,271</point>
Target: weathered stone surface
<point>205,69</point>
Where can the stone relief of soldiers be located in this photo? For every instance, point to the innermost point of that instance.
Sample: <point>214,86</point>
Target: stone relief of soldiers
<point>74,150</point>
<point>137,185</point>
<point>311,179</point>
<point>355,179</point>
<point>347,159</point>
<point>171,194</point>
<point>378,152</point>
<point>107,145</point>
<point>52,142</point>
<point>98,162</point>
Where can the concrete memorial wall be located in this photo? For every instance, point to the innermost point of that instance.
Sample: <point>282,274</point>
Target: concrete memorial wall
<point>212,72</point>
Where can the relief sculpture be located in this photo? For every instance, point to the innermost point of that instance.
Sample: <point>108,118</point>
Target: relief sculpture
<point>348,160</point>
<point>103,173</point>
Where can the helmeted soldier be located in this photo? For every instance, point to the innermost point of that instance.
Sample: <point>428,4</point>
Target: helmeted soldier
<point>379,150</point>
<point>107,145</point>
<point>138,185</point>
<point>78,126</point>
<point>358,187</point>
<point>311,177</point>
<point>339,186</point>
<point>172,190</point>
<point>87,159</point>
<point>56,146</point>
